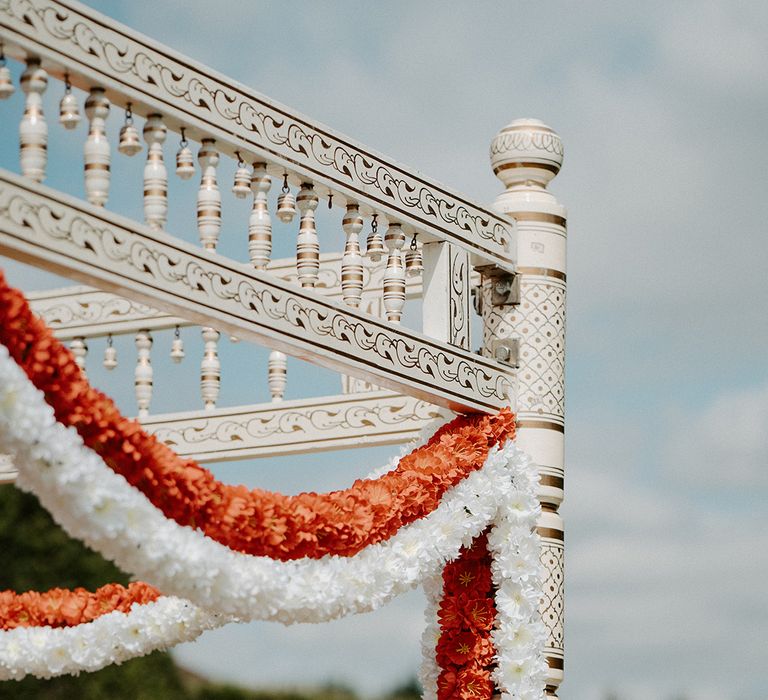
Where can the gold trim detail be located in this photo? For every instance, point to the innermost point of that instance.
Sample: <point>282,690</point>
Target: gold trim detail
<point>542,424</point>
<point>526,164</point>
<point>555,662</point>
<point>542,272</point>
<point>551,533</point>
<point>557,482</point>
<point>539,216</point>
<point>97,166</point>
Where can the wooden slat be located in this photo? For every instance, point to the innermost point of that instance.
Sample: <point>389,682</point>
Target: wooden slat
<point>321,424</point>
<point>97,51</point>
<point>46,228</point>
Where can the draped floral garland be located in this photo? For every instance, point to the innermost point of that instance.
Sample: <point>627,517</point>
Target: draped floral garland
<point>254,554</point>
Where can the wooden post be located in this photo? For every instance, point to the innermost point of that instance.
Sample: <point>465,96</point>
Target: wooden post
<point>525,156</point>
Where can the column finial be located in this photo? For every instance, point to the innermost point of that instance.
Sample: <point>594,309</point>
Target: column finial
<point>526,152</point>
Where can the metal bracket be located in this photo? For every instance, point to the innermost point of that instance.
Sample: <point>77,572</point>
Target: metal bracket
<point>505,286</point>
<point>506,351</point>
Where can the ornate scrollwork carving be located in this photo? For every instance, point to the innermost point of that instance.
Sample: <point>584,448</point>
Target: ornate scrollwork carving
<point>120,58</point>
<point>312,424</point>
<point>187,276</point>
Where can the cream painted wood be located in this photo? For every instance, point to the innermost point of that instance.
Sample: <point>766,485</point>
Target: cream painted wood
<point>352,260</point>
<point>277,375</point>
<point>73,38</point>
<point>210,369</point>
<point>525,156</point>
<point>155,174</point>
<point>52,230</point>
<point>268,430</point>
<point>33,129</point>
<point>79,350</point>
<point>294,427</point>
<point>208,196</point>
<point>81,310</point>
<point>394,274</point>
<point>307,243</point>
<point>142,378</point>
<point>446,296</point>
<point>260,223</point>
<point>96,150</point>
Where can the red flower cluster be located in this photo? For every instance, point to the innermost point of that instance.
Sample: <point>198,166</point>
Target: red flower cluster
<point>62,607</point>
<point>256,522</point>
<point>465,652</point>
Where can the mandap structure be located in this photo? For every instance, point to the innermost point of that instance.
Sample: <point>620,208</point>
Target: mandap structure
<point>469,511</point>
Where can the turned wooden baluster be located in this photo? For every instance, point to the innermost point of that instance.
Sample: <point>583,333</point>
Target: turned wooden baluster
<point>352,260</point>
<point>209,227</point>
<point>142,378</point>
<point>33,130</point>
<point>259,223</point>
<point>79,349</point>
<point>394,275</point>
<point>208,196</point>
<point>210,369</point>
<point>155,174</point>
<point>96,151</point>
<point>277,375</point>
<point>307,244</point>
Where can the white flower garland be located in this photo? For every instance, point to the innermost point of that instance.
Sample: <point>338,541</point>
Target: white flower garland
<point>519,634</point>
<point>429,671</point>
<point>96,505</point>
<point>99,507</point>
<point>113,638</point>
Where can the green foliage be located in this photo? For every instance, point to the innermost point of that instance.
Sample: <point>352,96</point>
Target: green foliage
<point>38,555</point>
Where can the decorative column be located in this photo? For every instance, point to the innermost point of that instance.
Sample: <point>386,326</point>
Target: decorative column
<point>525,156</point>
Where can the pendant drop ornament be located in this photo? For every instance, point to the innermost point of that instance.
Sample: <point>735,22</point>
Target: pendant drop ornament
<point>414,261</point>
<point>185,161</point>
<point>286,203</point>
<point>69,112</point>
<point>130,142</point>
<point>110,355</point>
<point>177,347</point>
<point>374,244</point>
<point>242,185</point>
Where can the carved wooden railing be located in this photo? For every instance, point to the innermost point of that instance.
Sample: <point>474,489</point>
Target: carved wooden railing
<point>410,224</point>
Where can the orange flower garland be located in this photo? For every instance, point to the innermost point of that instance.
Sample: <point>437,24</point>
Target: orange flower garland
<point>256,522</point>
<point>60,607</point>
<point>465,652</point>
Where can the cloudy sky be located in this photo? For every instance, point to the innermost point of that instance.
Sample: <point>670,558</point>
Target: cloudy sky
<point>662,108</point>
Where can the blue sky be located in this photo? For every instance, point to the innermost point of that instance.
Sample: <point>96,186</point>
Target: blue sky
<point>661,107</point>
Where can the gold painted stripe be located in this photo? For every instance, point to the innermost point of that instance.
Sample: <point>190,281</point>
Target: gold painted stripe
<point>97,166</point>
<point>539,216</point>
<point>216,213</point>
<point>557,482</point>
<point>155,193</point>
<point>542,272</point>
<point>540,166</point>
<point>544,424</point>
<point>555,662</point>
<point>551,533</point>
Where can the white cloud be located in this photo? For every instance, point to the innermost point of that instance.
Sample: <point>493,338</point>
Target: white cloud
<point>723,445</point>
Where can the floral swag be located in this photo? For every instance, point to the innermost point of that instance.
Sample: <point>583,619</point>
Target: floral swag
<point>457,513</point>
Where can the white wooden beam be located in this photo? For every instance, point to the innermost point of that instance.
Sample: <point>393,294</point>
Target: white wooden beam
<point>320,424</point>
<point>81,311</point>
<point>49,229</point>
<point>94,50</point>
